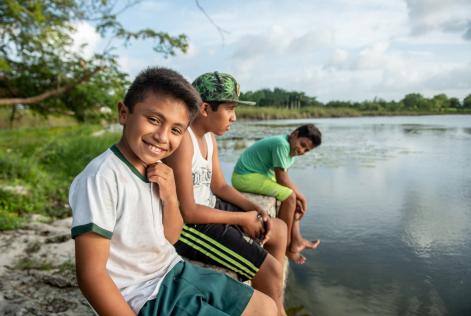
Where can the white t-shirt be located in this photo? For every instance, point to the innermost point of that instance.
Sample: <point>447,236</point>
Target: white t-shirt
<point>112,199</point>
<point>202,171</point>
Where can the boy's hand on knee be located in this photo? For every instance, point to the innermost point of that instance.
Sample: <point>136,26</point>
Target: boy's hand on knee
<point>265,217</point>
<point>300,207</point>
<point>300,210</point>
<point>302,201</point>
<point>266,230</point>
<point>266,224</point>
<point>252,224</point>
<point>162,175</point>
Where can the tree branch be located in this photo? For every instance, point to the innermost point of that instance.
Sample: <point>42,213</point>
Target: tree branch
<point>50,93</point>
<point>218,28</point>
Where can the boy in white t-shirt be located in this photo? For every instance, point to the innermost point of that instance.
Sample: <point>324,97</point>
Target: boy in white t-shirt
<point>126,216</point>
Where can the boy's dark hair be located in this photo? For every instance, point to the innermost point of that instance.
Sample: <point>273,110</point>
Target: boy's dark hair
<point>214,105</point>
<point>166,81</point>
<point>310,131</point>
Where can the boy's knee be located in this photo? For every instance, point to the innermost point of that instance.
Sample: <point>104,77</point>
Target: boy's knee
<point>279,229</point>
<point>270,307</point>
<point>260,305</point>
<point>272,267</point>
<point>291,199</point>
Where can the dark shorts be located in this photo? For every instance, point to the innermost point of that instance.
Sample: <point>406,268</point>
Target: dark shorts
<point>191,290</point>
<point>222,245</point>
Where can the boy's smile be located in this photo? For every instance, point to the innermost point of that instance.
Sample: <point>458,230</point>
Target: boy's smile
<point>153,130</point>
<point>299,145</point>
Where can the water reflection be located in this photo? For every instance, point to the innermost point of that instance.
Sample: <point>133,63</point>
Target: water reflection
<point>384,299</point>
<point>390,198</point>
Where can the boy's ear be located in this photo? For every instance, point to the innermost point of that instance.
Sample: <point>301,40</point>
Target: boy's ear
<point>204,108</point>
<point>123,112</point>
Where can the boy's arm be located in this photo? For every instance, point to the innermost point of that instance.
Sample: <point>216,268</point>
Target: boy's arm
<point>180,161</point>
<point>282,178</point>
<point>162,176</point>
<point>91,255</point>
<point>223,190</point>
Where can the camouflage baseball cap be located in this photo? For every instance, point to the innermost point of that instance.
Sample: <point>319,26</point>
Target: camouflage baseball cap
<point>218,86</point>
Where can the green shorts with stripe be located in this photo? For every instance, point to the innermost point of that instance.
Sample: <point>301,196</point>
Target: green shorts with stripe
<point>191,290</point>
<point>260,184</point>
<point>222,245</point>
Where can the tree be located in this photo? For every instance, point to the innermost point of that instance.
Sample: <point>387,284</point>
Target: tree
<point>467,102</point>
<point>455,103</point>
<point>414,101</point>
<point>39,69</point>
<point>441,102</point>
<point>280,97</point>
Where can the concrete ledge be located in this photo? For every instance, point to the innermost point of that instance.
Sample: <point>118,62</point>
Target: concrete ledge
<point>266,202</point>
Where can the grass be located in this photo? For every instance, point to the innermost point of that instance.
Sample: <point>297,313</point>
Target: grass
<point>268,113</point>
<point>33,264</point>
<point>273,113</point>
<point>37,166</point>
<point>28,118</point>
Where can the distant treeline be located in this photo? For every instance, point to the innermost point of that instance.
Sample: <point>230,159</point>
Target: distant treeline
<point>412,102</point>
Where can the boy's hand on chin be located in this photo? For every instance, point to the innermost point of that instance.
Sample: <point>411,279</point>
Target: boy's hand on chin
<point>162,175</point>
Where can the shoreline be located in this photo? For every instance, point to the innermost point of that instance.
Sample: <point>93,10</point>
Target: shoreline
<point>244,113</point>
<point>272,113</point>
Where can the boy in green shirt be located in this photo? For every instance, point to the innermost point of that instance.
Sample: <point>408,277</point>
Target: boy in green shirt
<point>263,169</point>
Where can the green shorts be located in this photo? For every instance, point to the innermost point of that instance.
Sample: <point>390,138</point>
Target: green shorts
<point>260,184</point>
<point>191,290</point>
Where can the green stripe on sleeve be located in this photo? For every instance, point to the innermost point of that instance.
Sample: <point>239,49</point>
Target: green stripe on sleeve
<point>87,228</point>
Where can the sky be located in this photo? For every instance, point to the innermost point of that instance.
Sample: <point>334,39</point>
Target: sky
<point>334,50</point>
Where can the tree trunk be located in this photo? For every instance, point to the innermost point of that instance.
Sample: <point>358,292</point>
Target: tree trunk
<point>12,116</point>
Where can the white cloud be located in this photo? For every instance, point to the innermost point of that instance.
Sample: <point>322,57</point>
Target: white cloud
<point>85,39</point>
<point>467,34</point>
<point>335,49</point>
<point>312,40</point>
<point>430,15</point>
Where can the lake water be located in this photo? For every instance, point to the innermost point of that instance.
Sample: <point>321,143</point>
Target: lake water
<point>390,199</point>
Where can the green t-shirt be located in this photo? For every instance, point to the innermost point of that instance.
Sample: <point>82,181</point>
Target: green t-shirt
<point>265,155</point>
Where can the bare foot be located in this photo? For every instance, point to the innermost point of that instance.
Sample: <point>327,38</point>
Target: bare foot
<point>300,245</point>
<point>296,257</point>
<point>312,244</point>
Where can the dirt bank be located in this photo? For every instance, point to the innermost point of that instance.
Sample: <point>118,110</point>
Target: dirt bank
<point>37,271</point>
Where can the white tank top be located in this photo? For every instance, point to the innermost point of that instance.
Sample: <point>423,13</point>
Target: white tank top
<point>202,171</point>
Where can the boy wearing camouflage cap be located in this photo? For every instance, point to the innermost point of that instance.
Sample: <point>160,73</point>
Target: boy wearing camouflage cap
<point>222,226</point>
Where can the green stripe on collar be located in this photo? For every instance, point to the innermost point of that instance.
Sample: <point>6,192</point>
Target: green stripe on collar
<point>120,155</point>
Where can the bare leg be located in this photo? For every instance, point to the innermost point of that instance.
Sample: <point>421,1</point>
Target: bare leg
<point>260,305</point>
<point>269,280</point>
<point>298,243</point>
<point>277,243</point>
<point>287,212</point>
<point>276,246</point>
